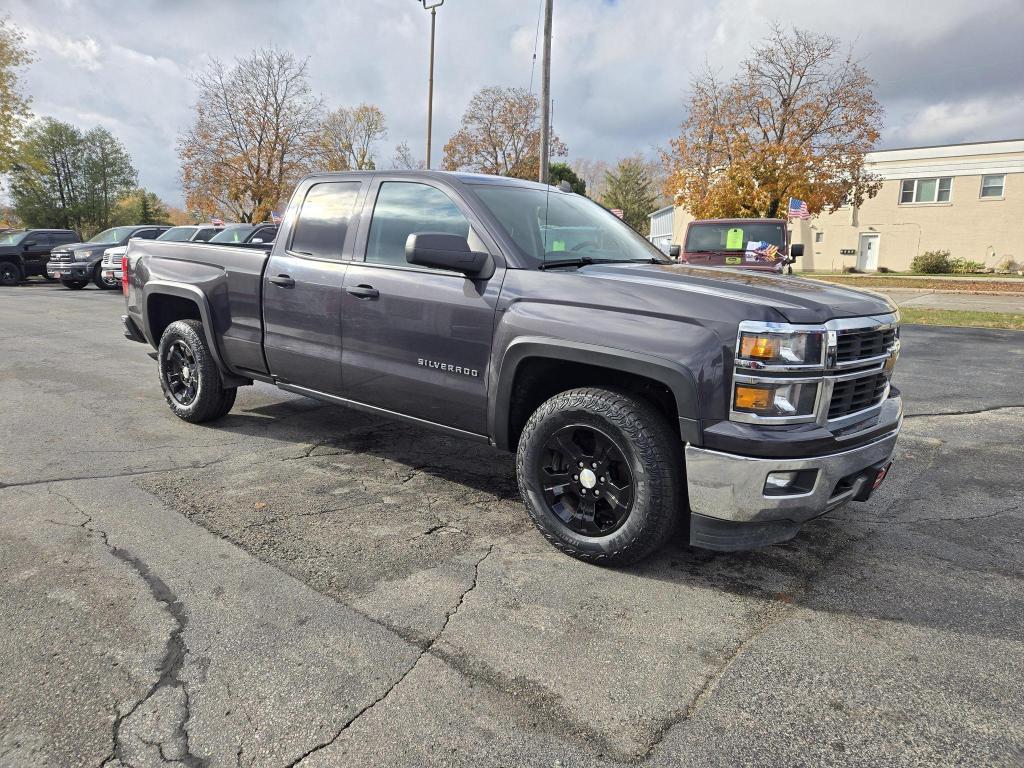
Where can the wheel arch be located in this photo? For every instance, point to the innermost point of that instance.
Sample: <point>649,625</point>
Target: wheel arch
<point>560,365</point>
<point>166,302</point>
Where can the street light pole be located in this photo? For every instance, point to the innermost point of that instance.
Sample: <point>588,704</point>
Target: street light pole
<point>432,6</point>
<point>545,94</point>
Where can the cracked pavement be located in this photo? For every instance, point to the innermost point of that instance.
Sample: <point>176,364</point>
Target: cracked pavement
<point>305,585</point>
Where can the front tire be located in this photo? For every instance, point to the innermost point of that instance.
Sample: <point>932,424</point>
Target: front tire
<point>99,282</point>
<point>189,376</point>
<point>10,274</point>
<point>600,472</point>
<point>74,285</point>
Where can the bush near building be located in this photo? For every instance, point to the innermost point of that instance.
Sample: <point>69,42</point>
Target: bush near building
<point>931,263</point>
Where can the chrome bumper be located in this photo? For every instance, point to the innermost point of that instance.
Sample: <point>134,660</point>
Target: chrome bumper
<point>730,487</point>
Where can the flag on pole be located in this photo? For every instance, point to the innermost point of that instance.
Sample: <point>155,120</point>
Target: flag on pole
<point>217,222</point>
<point>617,212</point>
<point>798,209</point>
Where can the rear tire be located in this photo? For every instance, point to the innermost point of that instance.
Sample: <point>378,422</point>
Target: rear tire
<point>600,472</point>
<point>10,274</point>
<point>189,377</point>
<point>74,285</point>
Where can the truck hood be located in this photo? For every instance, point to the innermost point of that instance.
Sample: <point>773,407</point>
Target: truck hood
<point>798,300</point>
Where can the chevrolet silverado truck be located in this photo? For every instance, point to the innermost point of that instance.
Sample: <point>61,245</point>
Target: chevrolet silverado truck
<point>760,245</point>
<point>638,394</point>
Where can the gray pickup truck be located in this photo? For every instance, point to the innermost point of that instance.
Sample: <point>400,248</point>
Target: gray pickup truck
<point>638,394</point>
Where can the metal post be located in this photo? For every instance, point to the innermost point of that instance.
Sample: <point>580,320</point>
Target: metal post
<point>430,84</point>
<point>545,94</point>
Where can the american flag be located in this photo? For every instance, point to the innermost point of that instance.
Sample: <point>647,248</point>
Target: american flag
<point>617,212</point>
<point>798,209</point>
<point>217,222</point>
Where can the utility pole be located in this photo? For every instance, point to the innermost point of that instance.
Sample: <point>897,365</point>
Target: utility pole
<point>545,94</point>
<point>432,6</point>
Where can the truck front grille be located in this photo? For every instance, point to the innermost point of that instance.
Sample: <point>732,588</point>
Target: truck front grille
<point>61,256</point>
<point>856,345</point>
<point>853,395</point>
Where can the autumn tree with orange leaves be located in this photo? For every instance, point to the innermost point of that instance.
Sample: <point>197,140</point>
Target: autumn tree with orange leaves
<point>256,133</point>
<point>796,121</point>
<point>500,135</point>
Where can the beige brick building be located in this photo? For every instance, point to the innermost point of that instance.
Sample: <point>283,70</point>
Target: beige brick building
<point>964,198</point>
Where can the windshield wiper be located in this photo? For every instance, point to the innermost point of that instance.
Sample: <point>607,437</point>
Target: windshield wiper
<point>579,261</point>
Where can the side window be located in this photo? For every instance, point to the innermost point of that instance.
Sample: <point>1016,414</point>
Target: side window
<point>42,240</point>
<point>405,208</point>
<point>205,234</point>
<point>322,223</point>
<point>147,234</point>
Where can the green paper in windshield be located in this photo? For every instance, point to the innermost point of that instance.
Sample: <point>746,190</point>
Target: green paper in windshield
<point>558,245</point>
<point>734,239</point>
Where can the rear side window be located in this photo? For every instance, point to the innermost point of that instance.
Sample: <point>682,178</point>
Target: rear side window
<point>205,234</point>
<point>147,234</point>
<point>323,219</point>
<point>406,208</point>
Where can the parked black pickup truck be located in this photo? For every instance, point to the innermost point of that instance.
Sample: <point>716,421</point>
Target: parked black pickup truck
<point>76,264</point>
<point>24,252</point>
<point>636,392</point>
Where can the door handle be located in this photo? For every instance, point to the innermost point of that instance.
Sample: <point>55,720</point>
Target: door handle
<point>283,280</point>
<point>363,291</point>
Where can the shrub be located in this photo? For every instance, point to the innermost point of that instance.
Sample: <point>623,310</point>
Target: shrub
<point>965,266</point>
<point>931,263</point>
<point>1007,265</point>
<point>850,270</point>
<point>884,270</point>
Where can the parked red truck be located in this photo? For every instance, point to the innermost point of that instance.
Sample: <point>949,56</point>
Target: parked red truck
<point>757,244</point>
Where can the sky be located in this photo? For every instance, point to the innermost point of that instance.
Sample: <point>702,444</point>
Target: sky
<point>946,70</point>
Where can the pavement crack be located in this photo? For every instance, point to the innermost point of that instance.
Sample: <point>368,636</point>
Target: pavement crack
<point>129,473</point>
<point>425,650</point>
<point>972,412</point>
<point>175,648</point>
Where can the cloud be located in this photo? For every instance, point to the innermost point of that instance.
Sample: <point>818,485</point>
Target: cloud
<point>947,70</point>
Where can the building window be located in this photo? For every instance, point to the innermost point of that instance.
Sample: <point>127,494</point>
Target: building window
<point>819,237</point>
<point>926,190</point>
<point>992,186</point>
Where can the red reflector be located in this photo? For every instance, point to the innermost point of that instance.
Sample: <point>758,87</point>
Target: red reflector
<point>882,473</point>
<point>124,275</point>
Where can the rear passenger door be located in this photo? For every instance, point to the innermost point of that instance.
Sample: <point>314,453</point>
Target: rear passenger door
<point>302,287</point>
<point>418,340</point>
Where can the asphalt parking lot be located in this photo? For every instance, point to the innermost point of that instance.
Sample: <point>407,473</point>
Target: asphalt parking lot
<point>302,584</point>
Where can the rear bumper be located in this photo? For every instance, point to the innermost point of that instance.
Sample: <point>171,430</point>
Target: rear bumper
<point>731,508</point>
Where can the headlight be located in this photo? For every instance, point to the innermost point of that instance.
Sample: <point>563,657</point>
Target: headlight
<point>764,348</point>
<point>771,399</point>
<point>83,255</point>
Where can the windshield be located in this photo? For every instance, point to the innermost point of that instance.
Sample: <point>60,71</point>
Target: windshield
<point>235,234</point>
<point>113,235</point>
<point>733,236</point>
<point>178,233</point>
<point>556,226</point>
<point>12,238</point>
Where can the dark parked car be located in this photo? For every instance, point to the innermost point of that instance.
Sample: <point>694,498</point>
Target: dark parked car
<point>637,393</point>
<point>246,234</point>
<point>75,265</point>
<point>757,244</point>
<point>24,252</point>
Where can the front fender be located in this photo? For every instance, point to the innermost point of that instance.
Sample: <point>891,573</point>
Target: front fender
<point>676,377</point>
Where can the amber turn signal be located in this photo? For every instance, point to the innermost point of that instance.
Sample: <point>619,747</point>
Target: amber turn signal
<point>759,347</point>
<point>752,398</point>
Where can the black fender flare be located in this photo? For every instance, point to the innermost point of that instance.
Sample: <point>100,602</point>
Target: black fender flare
<point>675,376</point>
<point>197,297</point>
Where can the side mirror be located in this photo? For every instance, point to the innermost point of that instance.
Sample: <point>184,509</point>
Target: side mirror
<point>28,244</point>
<point>440,250</point>
<point>674,251</point>
<point>796,250</point>
<point>257,240</point>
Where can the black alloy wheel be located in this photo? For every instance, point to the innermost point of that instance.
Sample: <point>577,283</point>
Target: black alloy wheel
<point>181,373</point>
<point>586,480</point>
<point>10,274</point>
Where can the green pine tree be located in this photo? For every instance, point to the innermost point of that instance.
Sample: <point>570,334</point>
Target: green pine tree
<point>631,188</point>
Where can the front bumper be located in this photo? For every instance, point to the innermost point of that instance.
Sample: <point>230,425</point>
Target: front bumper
<point>131,330</point>
<point>72,270</point>
<point>731,510</point>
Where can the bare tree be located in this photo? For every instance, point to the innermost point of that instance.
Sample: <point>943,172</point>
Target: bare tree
<point>403,158</point>
<point>593,173</point>
<point>348,137</point>
<point>255,133</point>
